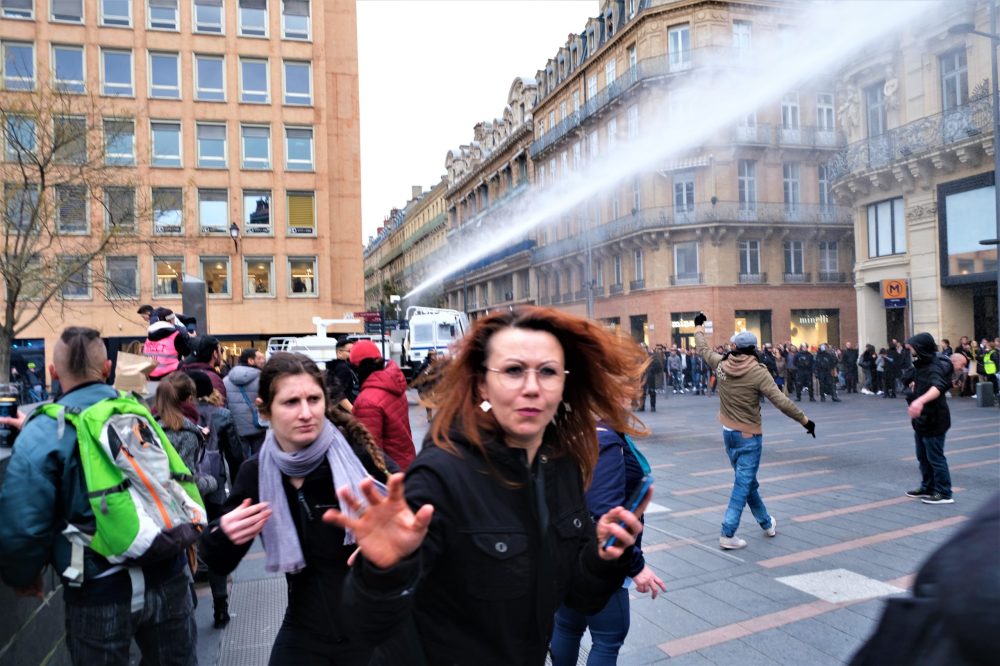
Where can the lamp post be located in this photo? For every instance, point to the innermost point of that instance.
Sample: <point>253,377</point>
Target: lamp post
<point>994,37</point>
<point>234,233</point>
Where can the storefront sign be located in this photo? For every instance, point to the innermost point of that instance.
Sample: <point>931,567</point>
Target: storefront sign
<point>894,293</point>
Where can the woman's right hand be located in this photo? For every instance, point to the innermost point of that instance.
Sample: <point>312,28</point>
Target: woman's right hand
<point>386,530</point>
<point>245,522</point>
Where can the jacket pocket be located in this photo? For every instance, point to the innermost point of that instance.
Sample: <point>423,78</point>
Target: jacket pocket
<point>499,565</point>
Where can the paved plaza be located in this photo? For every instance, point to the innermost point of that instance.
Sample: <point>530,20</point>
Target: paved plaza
<point>847,536</point>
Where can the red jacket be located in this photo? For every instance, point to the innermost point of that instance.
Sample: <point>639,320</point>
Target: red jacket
<point>383,409</point>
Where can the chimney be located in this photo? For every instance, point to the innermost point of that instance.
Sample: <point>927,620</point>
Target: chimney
<point>416,191</point>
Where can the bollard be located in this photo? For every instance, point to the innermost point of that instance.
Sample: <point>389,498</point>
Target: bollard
<point>984,395</point>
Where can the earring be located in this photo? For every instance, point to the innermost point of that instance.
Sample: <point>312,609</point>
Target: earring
<point>485,405</point>
<point>567,407</point>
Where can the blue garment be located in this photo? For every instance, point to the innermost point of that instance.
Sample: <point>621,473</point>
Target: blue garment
<point>608,629</point>
<point>744,455</point>
<point>934,473</point>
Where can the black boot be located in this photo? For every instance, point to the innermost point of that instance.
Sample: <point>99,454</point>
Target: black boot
<point>221,605</point>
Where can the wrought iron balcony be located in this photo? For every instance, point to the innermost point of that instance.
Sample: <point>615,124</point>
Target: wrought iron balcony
<point>636,285</point>
<point>823,276</point>
<point>580,294</point>
<point>753,278</point>
<point>598,290</point>
<point>617,289</point>
<point>752,135</point>
<point>685,279</point>
<point>795,278</point>
<point>913,139</point>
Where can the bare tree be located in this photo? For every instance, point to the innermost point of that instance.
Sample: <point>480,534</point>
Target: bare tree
<point>70,206</point>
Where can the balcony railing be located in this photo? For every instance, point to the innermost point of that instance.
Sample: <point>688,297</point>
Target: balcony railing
<point>823,276</point>
<point>807,137</point>
<point>685,279</point>
<point>617,289</point>
<point>753,278</point>
<point>636,285</point>
<point>795,278</point>
<point>913,139</point>
<point>580,295</point>
<point>752,134</point>
<point>598,290</point>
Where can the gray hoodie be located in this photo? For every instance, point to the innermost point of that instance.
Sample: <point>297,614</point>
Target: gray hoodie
<point>243,379</point>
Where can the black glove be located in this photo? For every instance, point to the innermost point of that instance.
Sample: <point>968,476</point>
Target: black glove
<point>700,319</point>
<point>810,427</point>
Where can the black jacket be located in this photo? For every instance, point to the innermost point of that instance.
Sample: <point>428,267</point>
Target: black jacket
<point>313,593</point>
<point>803,363</point>
<point>341,382</point>
<point>497,562</point>
<point>935,418</point>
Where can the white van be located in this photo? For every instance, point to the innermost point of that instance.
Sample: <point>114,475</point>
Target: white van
<point>431,328</point>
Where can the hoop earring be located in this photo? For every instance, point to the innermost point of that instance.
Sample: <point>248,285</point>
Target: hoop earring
<point>568,408</point>
<point>485,405</point>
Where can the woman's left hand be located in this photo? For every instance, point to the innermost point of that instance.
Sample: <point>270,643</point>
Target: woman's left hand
<point>623,525</point>
<point>647,581</point>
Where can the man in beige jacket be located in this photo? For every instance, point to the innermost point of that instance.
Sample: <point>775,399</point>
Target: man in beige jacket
<point>742,379</point>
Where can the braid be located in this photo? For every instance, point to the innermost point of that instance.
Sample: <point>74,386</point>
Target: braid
<point>357,434</point>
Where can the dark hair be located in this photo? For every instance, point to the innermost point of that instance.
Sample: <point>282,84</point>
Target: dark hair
<point>285,364</point>
<point>605,374</point>
<point>343,342</point>
<point>356,433</point>
<point>367,367</point>
<point>145,309</point>
<point>205,347</point>
<point>246,355</point>
<point>82,356</point>
<point>174,390</point>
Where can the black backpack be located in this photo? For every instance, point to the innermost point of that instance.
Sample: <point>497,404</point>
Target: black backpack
<point>947,369</point>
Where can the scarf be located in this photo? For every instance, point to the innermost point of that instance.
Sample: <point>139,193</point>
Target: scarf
<point>281,541</point>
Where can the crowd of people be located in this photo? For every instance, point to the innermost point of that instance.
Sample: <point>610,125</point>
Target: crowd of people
<point>501,542</point>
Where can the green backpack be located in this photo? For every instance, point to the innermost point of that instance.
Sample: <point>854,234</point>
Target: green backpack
<point>145,502</point>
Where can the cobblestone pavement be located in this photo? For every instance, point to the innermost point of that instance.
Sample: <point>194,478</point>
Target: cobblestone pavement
<point>847,536</point>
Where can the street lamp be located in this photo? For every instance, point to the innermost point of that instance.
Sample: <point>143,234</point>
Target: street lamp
<point>994,37</point>
<point>234,233</point>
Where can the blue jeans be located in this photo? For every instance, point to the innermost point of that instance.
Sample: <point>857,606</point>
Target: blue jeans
<point>164,629</point>
<point>608,628</point>
<point>934,475</point>
<point>744,456</point>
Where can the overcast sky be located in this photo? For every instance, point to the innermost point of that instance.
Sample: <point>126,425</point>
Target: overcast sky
<point>431,69</point>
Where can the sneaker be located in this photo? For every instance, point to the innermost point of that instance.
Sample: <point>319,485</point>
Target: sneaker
<point>918,492</point>
<point>937,498</point>
<point>732,543</point>
<point>879,393</point>
<point>773,529</point>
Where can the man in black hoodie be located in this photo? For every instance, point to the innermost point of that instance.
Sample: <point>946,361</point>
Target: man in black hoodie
<point>926,385</point>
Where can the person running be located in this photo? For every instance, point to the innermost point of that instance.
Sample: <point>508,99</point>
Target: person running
<point>281,494</point>
<point>742,381</point>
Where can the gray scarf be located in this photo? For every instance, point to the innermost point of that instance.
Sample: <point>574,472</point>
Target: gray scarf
<point>281,542</point>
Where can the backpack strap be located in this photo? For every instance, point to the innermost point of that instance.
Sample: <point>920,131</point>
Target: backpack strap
<point>643,463</point>
<point>250,406</point>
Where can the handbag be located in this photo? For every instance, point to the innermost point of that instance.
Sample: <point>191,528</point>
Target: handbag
<point>253,410</point>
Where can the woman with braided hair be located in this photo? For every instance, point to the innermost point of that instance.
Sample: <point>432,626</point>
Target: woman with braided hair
<point>282,495</point>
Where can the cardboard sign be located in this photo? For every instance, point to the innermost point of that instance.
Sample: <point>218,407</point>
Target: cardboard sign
<point>132,372</point>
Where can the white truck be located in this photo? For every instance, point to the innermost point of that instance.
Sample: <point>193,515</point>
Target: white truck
<point>431,328</point>
<point>320,348</point>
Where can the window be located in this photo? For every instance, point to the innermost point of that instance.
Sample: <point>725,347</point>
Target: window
<point>211,146</point>
<point>256,147</point>
<point>824,112</point>
<point>302,276</point>
<point>298,83</point>
<point>119,209</point>
<point>576,101</point>
<point>301,213</point>
<point>168,274</point>
<point>295,19</point>
<point>259,272</point>
<point>686,260</point>
<point>253,18</point>
<point>886,228</point>
<point>117,66</point>
<point>612,134</point>
<point>598,274</point>
<point>71,209</point>
<point>119,142</point>
<point>616,204</point>
<point>162,14</point>
<point>577,156</point>
<point>636,195</point>
<point>73,274</point>
<point>122,275</point>
<point>875,110</point>
<point>18,9</point>
<point>790,183</point>
<point>257,212</point>
<point>166,144</point>
<point>828,259</point>
<point>593,145</point>
<point>616,267</point>
<point>610,70</point>
<point>679,47</point>
<point>684,193</point>
<point>168,210</point>
<point>20,138</point>
<point>210,80</point>
<point>213,211</point>
<point>253,81</point>
<point>790,112</point>
<point>552,120</point>
<point>741,35</point>
<point>21,205</point>
<point>591,87</point>
<point>116,13</point>
<point>67,68</point>
<point>165,75</point>
<point>637,261</point>
<point>633,60</point>
<point>564,163</point>
<point>18,66</point>
<point>215,273</point>
<point>793,258</point>
<point>67,11</point>
<point>823,176</point>
<point>747,178</point>
<point>749,257</point>
<point>299,148</point>
<point>208,16</point>
<point>69,140</point>
<point>954,79</point>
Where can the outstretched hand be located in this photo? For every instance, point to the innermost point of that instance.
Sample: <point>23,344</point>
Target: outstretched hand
<point>623,525</point>
<point>245,522</point>
<point>386,530</point>
<point>810,427</point>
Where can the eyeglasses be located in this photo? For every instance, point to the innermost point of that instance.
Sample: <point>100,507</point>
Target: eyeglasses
<point>514,376</point>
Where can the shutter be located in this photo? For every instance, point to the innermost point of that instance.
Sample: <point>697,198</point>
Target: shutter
<point>208,3</point>
<point>296,7</point>
<point>66,7</point>
<point>165,4</point>
<point>253,4</point>
<point>18,5</point>
<point>300,212</point>
<point>212,132</point>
